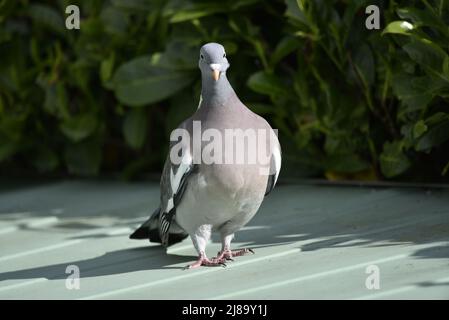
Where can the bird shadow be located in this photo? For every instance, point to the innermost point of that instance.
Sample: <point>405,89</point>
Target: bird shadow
<point>111,263</point>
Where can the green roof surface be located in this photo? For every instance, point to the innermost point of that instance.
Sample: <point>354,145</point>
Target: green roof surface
<point>311,242</point>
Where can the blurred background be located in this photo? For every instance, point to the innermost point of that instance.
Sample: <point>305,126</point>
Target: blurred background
<point>349,103</point>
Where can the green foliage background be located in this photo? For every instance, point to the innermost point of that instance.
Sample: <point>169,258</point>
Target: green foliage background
<point>350,103</point>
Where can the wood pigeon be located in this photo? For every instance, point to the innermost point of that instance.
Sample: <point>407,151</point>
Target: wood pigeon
<point>199,196</point>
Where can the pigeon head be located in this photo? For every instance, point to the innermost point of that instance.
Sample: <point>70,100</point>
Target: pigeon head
<point>213,60</point>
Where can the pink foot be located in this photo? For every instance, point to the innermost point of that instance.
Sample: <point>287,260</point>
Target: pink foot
<point>229,254</point>
<point>204,261</point>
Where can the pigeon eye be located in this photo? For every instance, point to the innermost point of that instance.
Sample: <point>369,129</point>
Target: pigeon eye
<point>224,55</point>
<point>202,57</point>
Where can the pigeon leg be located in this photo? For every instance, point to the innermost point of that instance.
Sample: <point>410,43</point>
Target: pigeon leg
<point>226,253</point>
<point>200,239</point>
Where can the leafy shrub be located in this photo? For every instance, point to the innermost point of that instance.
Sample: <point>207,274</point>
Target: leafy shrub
<point>350,103</point>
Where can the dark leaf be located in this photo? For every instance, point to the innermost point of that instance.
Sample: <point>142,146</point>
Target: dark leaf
<point>393,161</point>
<point>139,82</point>
<point>79,127</point>
<point>135,128</point>
<point>266,83</point>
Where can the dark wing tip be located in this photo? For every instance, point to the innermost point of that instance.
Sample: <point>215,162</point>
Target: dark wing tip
<point>140,233</point>
<point>175,238</point>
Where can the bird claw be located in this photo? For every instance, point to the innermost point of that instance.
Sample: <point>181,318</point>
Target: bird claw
<point>215,263</point>
<point>220,259</point>
<point>204,261</point>
<point>241,252</point>
<point>229,254</point>
<point>224,255</point>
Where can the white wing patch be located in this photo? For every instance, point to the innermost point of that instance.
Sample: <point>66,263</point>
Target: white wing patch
<point>170,205</point>
<point>175,179</point>
<point>277,162</point>
<point>201,100</point>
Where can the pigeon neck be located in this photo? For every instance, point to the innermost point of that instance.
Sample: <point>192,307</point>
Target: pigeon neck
<point>216,93</point>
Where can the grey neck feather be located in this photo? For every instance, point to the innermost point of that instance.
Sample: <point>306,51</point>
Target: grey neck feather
<point>215,93</point>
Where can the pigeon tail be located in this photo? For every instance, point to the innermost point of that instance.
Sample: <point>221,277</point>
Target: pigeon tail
<point>150,230</point>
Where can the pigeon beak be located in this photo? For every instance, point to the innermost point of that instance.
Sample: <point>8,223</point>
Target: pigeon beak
<point>215,70</point>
